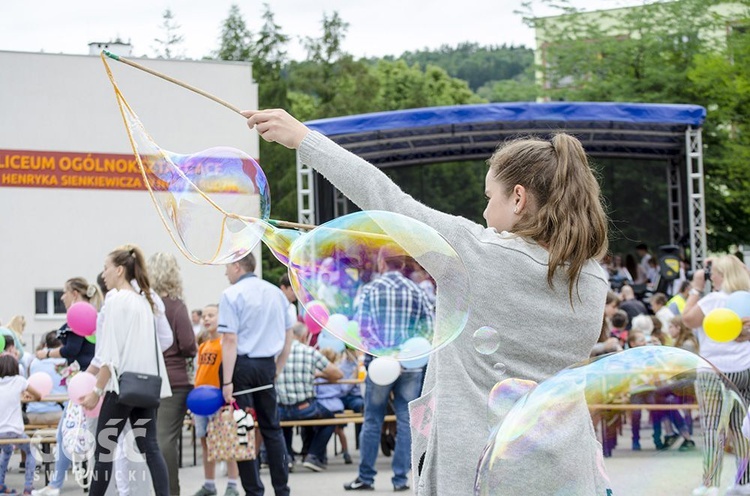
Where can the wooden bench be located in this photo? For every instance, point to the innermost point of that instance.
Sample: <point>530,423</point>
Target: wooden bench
<point>348,417</point>
<point>339,419</point>
<point>644,406</point>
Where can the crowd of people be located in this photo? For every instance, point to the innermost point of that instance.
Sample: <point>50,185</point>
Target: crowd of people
<point>140,307</point>
<point>677,320</point>
<point>545,228</point>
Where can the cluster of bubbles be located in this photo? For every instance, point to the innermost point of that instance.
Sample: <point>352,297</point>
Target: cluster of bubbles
<point>209,201</point>
<point>548,426</point>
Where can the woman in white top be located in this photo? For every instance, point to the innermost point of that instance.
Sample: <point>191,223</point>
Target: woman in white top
<point>127,342</point>
<point>733,359</point>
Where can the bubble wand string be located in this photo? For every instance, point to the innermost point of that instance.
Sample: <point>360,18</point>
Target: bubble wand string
<point>272,222</point>
<point>272,235</point>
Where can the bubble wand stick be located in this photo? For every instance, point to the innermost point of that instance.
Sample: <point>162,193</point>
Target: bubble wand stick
<point>172,80</point>
<point>273,222</point>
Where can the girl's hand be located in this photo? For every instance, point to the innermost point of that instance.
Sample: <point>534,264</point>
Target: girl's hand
<point>276,125</point>
<point>90,401</point>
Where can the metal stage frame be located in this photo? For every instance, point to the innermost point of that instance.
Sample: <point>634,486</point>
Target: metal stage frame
<point>632,131</point>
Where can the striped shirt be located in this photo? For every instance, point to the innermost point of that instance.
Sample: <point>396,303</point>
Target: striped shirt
<point>296,381</point>
<point>392,309</point>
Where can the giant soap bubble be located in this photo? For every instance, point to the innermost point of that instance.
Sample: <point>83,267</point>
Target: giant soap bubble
<point>548,432</point>
<point>209,202</point>
<point>340,265</point>
<point>199,196</point>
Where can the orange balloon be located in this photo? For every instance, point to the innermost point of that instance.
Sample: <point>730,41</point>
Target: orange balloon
<point>722,325</point>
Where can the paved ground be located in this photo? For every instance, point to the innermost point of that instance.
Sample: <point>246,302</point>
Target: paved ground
<point>644,473</point>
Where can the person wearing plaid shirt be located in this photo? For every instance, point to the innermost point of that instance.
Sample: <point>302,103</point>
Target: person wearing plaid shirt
<point>296,390</point>
<point>391,309</point>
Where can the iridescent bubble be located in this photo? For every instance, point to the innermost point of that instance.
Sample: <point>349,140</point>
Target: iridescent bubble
<point>343,265</point>
<point>215,205</point>
<point>201,197</point>
<point>550,427</point>
<point>500,368</point>
<point>503,396</point>
<point>486,340</point>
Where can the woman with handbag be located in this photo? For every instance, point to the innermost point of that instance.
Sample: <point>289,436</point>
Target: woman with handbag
<point>131,379</point>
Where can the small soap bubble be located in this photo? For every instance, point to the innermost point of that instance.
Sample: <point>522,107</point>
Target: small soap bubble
<point>486,340</point>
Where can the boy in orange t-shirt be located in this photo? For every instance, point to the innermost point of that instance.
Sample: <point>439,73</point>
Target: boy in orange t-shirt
<point>209,367</point>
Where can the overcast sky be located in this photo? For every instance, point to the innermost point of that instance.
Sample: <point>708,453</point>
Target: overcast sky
<point>385,27</point>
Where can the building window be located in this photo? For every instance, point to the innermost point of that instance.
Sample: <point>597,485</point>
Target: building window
<point>48,303</point>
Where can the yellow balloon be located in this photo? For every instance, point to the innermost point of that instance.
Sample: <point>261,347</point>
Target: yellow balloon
<point>722,325</point>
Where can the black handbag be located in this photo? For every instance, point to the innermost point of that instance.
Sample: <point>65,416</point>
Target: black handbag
<point>141,390</point>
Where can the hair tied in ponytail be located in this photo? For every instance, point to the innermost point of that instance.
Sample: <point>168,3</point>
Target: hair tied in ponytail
<point>132,253</point>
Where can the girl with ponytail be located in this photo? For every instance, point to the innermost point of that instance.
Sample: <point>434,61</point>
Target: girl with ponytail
<point>535,281</point>
<point>126,342</point>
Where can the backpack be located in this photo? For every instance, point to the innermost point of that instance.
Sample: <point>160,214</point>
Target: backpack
<point>78,442</point>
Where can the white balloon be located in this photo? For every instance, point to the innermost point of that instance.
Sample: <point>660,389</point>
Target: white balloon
<point>415,347</point>
<point>337,324</point>
<point>384,371</point>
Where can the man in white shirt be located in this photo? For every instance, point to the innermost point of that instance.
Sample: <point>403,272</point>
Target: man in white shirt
<point>256,338</point>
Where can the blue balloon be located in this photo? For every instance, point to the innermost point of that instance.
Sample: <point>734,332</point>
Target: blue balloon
<point>415,347</point>
<point>327,340</point>
<point>205,400</point>
<point>739,303</point>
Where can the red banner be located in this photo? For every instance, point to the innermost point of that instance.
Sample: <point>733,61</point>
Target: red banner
<point>34,169</point>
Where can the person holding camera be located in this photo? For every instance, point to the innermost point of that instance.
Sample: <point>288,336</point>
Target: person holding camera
<point>727,275</point>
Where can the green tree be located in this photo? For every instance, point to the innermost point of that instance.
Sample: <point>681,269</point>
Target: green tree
<point>337,83</point>
<point>168,45</point>
<point>522,88</point>
<point>722,79</point>
<point>665,52</point>
<point>401,87</point>
<point>235,38</point>
<point>267,54</point>
<point>475,64</point>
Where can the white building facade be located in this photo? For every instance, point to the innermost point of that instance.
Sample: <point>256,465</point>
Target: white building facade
<point>59,218</point>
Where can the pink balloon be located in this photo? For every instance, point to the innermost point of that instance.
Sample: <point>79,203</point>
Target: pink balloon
<point>94,412</point>
<point>41,382</point>
<point>316,317</point>
<point>82,318</point>
<point>80,385</point>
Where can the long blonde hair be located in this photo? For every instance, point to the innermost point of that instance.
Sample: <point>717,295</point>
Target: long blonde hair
<point>164,273</point>
<point>734,272</point>
<point>17,324</point>
<point>569,218</point>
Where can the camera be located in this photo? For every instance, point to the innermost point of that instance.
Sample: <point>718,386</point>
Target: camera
<point>707,272</point>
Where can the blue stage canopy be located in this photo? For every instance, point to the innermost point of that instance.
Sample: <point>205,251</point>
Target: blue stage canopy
<point>472,132</point>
